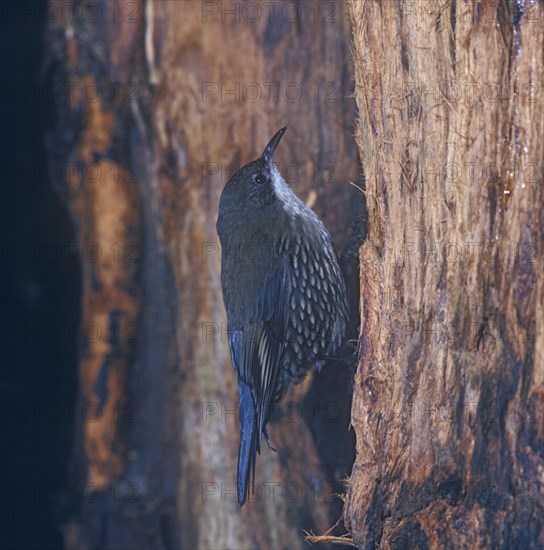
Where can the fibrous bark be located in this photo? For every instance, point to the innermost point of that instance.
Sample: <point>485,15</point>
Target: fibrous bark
<point>449,393</point>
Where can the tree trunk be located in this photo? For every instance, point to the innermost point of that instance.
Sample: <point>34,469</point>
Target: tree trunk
<point>158,103</point>
<point>448,406</point>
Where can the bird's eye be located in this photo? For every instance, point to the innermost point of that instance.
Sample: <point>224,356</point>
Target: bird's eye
<point>260,178</point>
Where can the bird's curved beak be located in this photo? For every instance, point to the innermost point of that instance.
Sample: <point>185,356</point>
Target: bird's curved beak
<point>268,153</point>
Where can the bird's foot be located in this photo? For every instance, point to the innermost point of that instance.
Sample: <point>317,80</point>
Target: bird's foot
<point>346,355</point>
<point>268,440</point>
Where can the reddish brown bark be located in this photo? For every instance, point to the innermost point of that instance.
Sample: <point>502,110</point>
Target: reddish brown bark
<point>448,406</point>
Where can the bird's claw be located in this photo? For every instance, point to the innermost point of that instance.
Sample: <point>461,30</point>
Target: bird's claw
<point>268,441</point>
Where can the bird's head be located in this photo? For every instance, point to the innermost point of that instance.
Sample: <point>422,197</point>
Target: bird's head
<point>258,183</point>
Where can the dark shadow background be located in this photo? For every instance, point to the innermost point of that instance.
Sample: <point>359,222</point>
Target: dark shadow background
<point>39,296</point>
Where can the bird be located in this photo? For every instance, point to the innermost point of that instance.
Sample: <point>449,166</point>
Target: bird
<point>284,295</point>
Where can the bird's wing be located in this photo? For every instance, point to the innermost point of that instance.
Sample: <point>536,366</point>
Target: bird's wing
<point>257,343</point>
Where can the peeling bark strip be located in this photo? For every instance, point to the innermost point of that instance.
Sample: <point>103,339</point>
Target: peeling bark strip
<point>105,202</point>
<point>158,103</point>
<point>449,393</point>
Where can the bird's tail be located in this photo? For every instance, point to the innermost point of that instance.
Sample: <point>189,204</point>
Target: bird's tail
<point>249,444</point>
